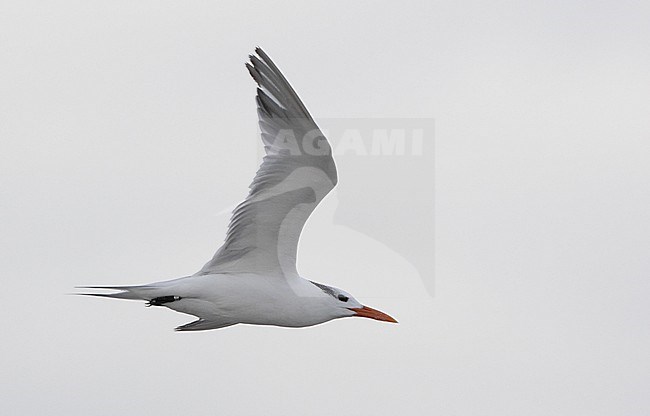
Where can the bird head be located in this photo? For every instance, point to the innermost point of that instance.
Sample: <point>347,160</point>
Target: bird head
<point>347,305</point>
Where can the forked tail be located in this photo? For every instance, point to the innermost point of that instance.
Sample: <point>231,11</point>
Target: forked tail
<point>156,295</point>
<point>123,292</point>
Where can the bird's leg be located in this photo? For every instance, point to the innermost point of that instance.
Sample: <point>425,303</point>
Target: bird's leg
<point>162,300</point>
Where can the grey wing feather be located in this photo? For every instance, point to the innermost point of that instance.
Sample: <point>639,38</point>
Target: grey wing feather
<point>296,173</point>
<point>204,325</point>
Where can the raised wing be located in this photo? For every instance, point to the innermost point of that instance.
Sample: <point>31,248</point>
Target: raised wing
<point>296,174</point>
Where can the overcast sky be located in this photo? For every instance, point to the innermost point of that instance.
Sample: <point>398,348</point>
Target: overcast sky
<point>127,129</point>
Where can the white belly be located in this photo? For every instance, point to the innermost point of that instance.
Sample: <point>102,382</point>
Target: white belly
<point>250,299</point>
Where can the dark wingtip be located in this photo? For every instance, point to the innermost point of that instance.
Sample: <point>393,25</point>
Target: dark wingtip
<point>254,74</point>
<point>263,55</point>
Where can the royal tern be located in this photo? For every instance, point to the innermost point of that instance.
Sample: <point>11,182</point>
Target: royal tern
<point>252,278</point>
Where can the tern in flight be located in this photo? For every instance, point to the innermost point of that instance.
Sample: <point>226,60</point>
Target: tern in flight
<point>252,278</point>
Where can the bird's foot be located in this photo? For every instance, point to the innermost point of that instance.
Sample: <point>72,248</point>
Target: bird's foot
<point>161,300</point>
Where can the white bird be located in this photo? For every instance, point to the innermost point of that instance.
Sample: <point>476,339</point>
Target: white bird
<point>252,278</point>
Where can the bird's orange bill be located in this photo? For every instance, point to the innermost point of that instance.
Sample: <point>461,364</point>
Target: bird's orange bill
<point>368,312</point>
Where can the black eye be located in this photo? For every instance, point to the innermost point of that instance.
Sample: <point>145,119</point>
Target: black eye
<point>343,298</point>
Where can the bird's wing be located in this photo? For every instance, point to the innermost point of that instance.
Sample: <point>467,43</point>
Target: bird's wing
<point>296,173</point>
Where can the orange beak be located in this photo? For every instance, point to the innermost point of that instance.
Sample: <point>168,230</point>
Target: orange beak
<point>367,312</point>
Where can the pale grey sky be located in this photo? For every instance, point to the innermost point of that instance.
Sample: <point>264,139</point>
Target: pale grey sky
<point>125,127</point>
